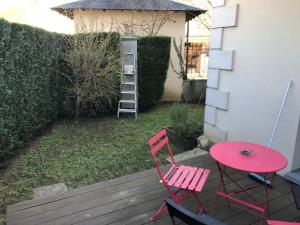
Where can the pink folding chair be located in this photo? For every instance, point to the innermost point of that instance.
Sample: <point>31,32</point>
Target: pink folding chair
<point>180,181</point>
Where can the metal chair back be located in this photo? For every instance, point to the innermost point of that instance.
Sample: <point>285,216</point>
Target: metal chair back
<point>158,143</point>
<point>296,193</point>
<point>188,217</point>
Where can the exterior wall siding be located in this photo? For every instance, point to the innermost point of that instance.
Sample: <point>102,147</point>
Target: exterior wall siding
<point>265,42</point>
<point>221,58</point>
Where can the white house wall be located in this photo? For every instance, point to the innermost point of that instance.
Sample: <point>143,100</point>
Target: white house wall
<point>98,20</point>
<point>296,162</point>
<point>265,42</point>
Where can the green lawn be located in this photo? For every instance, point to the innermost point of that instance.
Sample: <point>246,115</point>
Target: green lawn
<point>84,152</point>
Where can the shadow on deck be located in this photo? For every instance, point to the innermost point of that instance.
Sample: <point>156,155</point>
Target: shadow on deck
<point>132,199</point>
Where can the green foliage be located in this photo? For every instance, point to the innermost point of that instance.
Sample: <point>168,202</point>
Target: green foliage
<point>94,59</point>
<point>82,152</point>
<point>29,86</point>
<point>179,118</point>
<point>35,81</point>
<point>153,64</point>
<point>186,128</point>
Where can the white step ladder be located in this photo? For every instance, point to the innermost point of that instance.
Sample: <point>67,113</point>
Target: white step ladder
<point>129,90</point>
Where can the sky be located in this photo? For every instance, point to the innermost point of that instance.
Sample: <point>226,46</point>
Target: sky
<point>37,13</point>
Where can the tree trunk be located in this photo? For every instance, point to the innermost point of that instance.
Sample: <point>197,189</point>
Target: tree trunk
<point>77,107</point>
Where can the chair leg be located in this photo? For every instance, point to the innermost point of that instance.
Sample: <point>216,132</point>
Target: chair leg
<point>159,212</point>
<point>200,206</point>
<point>173,220</point>
<point>163,208</point>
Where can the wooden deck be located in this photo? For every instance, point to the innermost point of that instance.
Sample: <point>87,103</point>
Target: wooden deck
<point>132,199</point>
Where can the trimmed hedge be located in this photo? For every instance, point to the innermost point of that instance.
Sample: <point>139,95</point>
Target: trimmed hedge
<point>153,64</point>
<point>34,82</point>
<point>33,89</point>
<point>30,89</point>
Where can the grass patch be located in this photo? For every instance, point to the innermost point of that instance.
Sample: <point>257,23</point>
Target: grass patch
<point>84,152</point>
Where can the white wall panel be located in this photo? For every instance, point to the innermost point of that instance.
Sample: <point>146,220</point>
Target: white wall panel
<point>213,78</point>
<point>224,16</point>
<point>216,3</point>
<point>210,115</point>
<point>217,98</point>
<point>219,59</point>
<point>216,38</point>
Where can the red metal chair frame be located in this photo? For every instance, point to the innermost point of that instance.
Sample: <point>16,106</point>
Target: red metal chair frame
<point>296,193</point>
<point>274,222</point>
<point>186,179</point>
<point>251,207</point>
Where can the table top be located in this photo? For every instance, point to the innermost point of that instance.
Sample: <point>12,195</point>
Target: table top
<point>263,159</point>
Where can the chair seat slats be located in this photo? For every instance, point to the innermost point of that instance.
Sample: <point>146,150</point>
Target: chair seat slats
<point>189,178</point>
<point>183,175</point>
<point>196,179</point>
<point>202,180</point>
<point>176,176</point>
<point>170,173</point>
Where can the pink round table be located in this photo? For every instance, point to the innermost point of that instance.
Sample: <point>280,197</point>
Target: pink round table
<point>263,159</point>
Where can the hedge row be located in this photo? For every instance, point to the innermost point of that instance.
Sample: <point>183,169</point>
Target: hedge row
<point>33,83</point>
<point>29,86</point>
<point>153,63</point>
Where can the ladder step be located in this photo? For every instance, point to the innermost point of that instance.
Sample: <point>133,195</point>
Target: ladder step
<point>131,74</point>
<point>127,110</point>
<point>128,92</point>
<point>128,69</point>
<point>127,82</point>
<point>127,101</point>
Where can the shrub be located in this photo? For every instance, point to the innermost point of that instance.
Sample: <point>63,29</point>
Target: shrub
<point>186,129</point>
<point>29,85</point>
<point>94,59</point>
<point>153,64</point>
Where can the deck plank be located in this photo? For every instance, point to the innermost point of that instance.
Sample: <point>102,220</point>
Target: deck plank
<point>132,199</point>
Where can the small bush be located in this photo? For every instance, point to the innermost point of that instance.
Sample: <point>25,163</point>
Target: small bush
<point>94,60</point>
<point>186,129</point>
<point>153,64</point>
